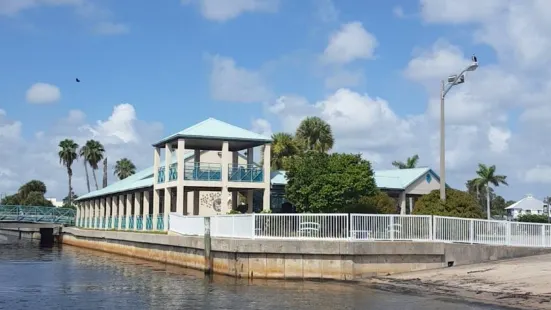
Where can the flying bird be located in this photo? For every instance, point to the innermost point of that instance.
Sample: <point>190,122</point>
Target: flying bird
<point>474,58</point>
<point>78,81</point>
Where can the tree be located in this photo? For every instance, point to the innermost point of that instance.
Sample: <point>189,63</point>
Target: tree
<point>314,134</point>
<point>533,218</point>
<point>124,168</point>
<point>67,200</point>
<point>92,152</point>
<point>457,204</point>
<point>67,155</point>
<point>410,163</point>
<point>486,176</point>
<point>323,183</point>
<point>283,148</point>
<point>104,185</point>
<point>29,194</point>
<point>380,203</point>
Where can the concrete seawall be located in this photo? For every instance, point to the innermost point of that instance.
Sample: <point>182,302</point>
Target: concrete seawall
<point>292,259</point>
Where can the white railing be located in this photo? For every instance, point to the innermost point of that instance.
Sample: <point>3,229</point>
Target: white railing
<point>366,227</point>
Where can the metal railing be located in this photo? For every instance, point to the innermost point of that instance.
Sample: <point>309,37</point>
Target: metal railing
<point>245,173</point>
<point>202,171</point>
<point>173,172</point>
<point>161,175</point>
<point>366,227</point>
<point>32,214</point>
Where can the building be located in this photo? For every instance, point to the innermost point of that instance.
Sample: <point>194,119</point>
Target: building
<point>56,203</point>
<point>527,205</point>
<point>210,169</point>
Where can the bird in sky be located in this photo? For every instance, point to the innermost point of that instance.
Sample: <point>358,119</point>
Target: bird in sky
<point>474,58</point>
<point>78,81</point>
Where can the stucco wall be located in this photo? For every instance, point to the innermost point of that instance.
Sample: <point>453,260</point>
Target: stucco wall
<point>338,260</point>
<point>422,187</point>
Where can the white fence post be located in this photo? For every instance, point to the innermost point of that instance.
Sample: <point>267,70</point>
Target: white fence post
<point>431,225</point>
<point>471,231</point>
<point>392,227</point>
<point>543,235</point>
<point>508,233</point>
<point>350,225</point>
<point>253,218</point>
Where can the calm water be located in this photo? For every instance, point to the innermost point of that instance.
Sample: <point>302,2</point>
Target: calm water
<point>35,277</point>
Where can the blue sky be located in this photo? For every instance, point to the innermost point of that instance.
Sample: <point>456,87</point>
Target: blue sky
<point>265,64</point>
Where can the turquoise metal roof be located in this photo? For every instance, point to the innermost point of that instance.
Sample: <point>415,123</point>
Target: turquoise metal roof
<point>398,179</point>
<point>218,130</point>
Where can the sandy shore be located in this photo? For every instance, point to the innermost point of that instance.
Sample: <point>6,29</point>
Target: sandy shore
<point>523,283</point>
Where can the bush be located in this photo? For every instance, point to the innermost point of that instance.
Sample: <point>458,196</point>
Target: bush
<point>380,203</point>
<point>457,204</point>
<point>533,218</point>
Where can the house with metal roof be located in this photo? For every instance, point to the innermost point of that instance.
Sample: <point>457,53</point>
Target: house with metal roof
<point>527,205</point>
<point>210,169</point>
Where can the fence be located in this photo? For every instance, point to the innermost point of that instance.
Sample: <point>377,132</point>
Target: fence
<point>37,214</point>
<point>366,227</point>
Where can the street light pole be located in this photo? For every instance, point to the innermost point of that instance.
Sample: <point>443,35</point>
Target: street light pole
<point>452,81</point>
<point>442,145</point>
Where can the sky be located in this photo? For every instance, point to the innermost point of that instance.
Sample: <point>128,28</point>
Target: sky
<point>371,69</point>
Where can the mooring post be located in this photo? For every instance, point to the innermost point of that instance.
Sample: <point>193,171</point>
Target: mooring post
<point>208,253</point>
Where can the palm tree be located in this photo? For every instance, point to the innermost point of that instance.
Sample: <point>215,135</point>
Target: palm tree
<point>124,168</point>
<point>410,163</point>
<point>283,148</point>
<point>486,176</point>
<point>82,153</point>
<point>314,134</point>
<point>67,155</point>
<point>92,152</point>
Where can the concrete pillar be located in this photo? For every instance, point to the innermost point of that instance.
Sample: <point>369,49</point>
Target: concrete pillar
<point>121,211</point>
<point>128,211</point>
<point>108,205</point>
<point>225,160</point>
<point>410,205</point>
<point>196,193</point>
<point>234,194</point>
<point>145,208</point>
<point>166,211</point>
<point>102,213</point>
<point>180,191</point>
<point>250,194</point>
<point>96,213</point>
<point>267,184</point>
<point>137,209</point>
<point>402,202</point>
<point>156,164</point>
<point>168,159</point>
<point>114,211</point>
<point>156,207</point>
<point>77,215</point>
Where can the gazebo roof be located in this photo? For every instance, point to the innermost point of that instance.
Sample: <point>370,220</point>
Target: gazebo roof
<point>213,129</point>
<point>527,203</point>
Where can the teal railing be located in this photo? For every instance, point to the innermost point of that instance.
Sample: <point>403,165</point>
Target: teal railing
<point>130,222</point>
<point>126,222</point>
<point>202,172</point>
<point>161,175</point>
<point>122,223</point>
<point>37,214</point>
<point>245,173</point>
<point>149,222</point>
<point>139,222</point>
<point>160,222</point>
<point>173,172</point>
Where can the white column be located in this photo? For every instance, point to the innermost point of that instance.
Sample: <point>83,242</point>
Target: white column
<point>410,205</point>
<point>77,215</point>
<point>402,203</point>
<point>180,192</point>
<point>145,208</point>
<point>114,211</point>
<point>128,210</point>
<point>166,211</point>
<point>156,164</point>
<point>96,213</point>
<point>250,193</point>
<point>121,211</point>
<point>137,209</point>
<point>102,212</point>
<point>267,181</point>
<point>156,207</point>
<point>168,159</point>
<point>108,205</point>
<point>234,194</point>
<point>225,160</point>
<point>196,193</point>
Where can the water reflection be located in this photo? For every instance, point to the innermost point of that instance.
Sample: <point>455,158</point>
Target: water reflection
<point>40,277</point>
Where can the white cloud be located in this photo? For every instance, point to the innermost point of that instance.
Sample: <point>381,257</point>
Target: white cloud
<point>222,10</point>
<point>231,83</point>
<point>43,93</point>
<point>499,139</point>
<point>538,174</point>
<point>350,43</point>
<point>110,28</point>
<point>122,134</point>
<point>262,127</point>
<point>326,10</point>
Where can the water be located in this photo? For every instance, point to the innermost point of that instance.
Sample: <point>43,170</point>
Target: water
<point>39,277</point>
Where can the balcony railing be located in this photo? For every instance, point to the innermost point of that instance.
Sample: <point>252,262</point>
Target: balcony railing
<point>202,172</point>
<point>161,175</point>
<point>173,172</point>
<point>245,173</point>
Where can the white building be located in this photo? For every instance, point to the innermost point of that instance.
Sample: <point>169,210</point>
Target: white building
<point>55,202</point>
<point>527,205</point>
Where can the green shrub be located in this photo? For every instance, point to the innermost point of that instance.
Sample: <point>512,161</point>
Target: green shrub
<point>533,218</point>
<point>380,203</point>
<point>457,204</point>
